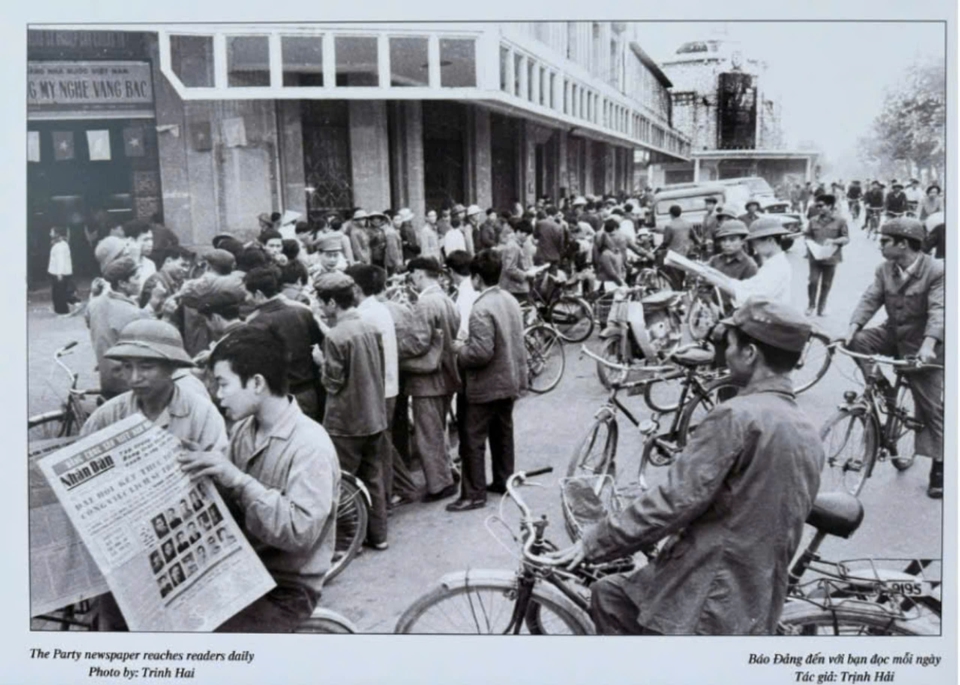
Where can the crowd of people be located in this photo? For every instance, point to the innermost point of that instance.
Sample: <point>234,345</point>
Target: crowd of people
<point>280,362</point>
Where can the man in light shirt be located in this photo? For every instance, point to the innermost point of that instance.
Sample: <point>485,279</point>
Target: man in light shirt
<point>453,240</point>
<point>773,279</point>
<point>459,265</point>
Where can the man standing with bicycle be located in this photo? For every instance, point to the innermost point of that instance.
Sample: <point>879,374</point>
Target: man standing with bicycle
<point>909,285</point>
<point>735,501</point>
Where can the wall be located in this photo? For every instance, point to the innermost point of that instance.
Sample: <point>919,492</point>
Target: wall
<point>369,150</point>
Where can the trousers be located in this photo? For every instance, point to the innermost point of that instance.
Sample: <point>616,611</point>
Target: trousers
<point>925,386</point>
<point>281,610</point>
<point>430,440</point>
<point>478,423</point>
<point>613,610</point>
<point>821,277</point>
<point>364,457</point>
<point>396,475</point>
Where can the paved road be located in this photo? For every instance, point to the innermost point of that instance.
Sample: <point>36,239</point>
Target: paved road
<point>427,542</point>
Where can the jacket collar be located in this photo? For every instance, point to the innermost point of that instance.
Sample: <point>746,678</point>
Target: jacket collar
<point>485,291</point>
<point>777,384</point>
<point>282,430</point>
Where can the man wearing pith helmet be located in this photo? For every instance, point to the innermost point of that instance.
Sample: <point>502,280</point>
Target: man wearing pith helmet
<point>150,352</point>
<point>909,285</point>
<point>740,492</point>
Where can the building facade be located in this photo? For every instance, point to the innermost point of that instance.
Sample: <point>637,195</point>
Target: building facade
<point>720,101</point>
<point>245,119</point>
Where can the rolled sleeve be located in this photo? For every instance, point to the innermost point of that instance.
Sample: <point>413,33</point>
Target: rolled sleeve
<point>693,481</point>
<point>870,301</point>
<point>290,520</point>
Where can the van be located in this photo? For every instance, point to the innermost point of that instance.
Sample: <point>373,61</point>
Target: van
<point>692,199</point>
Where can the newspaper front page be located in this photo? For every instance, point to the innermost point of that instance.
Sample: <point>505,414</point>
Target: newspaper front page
<point>62,571</point>
<point>168,548</point>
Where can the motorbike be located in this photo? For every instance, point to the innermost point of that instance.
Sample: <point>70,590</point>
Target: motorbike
<point>641,328</point>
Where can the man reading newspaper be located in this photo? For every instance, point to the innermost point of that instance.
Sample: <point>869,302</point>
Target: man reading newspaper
<point>150,352</point>
<point>281,478</point>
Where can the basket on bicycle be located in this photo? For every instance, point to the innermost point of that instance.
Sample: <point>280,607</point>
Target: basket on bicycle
<point>586,500</point>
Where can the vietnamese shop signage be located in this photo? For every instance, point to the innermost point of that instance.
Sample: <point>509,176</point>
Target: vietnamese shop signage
<point>89,86</point>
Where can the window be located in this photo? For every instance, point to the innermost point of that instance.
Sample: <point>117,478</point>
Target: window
<point>458,63</point>
<point>566,96</point>
<point>356,61</point>
<point>248,61</point>
<point>553,91</point>
<point>544,85</point>
<point>530,69</point>
<point>408,62</point>
<point>504,69</point>
<point>572,40</point>
<point>192,60</point>
<point>517,73</point>
<point>302,61</point>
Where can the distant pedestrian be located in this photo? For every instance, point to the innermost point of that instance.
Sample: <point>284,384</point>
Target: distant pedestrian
<point>60,269</point>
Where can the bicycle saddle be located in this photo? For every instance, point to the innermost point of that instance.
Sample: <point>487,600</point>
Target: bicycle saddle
<point>693,355</point>
<point>836,513</point>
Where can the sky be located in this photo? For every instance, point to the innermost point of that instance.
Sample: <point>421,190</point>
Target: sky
<point>830,76</point>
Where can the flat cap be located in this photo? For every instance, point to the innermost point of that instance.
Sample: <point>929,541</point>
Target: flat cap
<point>334,280</point>
<point>221,260</point>
<point>330,242</point>
<point>904,227</point>
<point>120,269</point>
<point>220,296</point>
<point>732,227</point>
<point>108,249</point>
<point>774,323</point>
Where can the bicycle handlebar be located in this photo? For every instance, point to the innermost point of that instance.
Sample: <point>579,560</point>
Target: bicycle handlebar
<point>620,367</point>
<point>63,350</point>
<point>513,484</point>
<point>911,363</point>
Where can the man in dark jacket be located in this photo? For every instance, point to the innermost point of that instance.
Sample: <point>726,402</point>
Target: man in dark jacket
<point>496,374</point>
<point>896,202</point>
<point>909,285</point>
<point>736,500</point>
<point>296,325</point>
<point>551,240</point>
<point>432,393</point>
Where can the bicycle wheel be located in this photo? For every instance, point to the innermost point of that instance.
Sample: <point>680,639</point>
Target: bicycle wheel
<point>545,359</point>
<point>326,622</point>
<point>53,424</point>
<point>716,391</point>
<point>814,362</point>
<point>850,446</point>
<point>702,316</point>
<point>486,607</point>
<point>902,432</point>
<point>611,353</point>
<point>851,618</point>
<point>351,526</point>
<point>572,317</point>
<point>597,450</point>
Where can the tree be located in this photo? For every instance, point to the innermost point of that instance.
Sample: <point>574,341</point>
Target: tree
<point>910,130</point>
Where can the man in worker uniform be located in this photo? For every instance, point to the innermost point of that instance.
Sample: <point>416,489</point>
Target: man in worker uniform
<point>829,230</point>
<point>734,502</point>
<point>909,285</point>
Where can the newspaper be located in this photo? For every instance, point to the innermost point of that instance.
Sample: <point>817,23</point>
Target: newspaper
<point>820,252</point>
<point>678,261</point>
<point>167,547</point>
<point>62,571</point>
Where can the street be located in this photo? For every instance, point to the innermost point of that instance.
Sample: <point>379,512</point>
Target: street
<point>426,541</point>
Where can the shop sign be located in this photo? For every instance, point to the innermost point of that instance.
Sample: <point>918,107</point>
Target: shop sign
<point>89,86</point>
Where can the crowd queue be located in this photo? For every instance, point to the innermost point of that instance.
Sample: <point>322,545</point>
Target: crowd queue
<point>290,341</point>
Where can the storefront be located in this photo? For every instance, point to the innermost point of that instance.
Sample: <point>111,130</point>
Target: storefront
<point>92,160</point>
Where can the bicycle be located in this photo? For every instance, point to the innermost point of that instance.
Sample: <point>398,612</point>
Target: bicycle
<point>700,393</point>
<point>546,360</point>
<point>544,597</point>
<point>570,315</point>
<point>854,206</point>
<point>872,221</point>
<point>540,597</point>
<point>68,419</point>
<point>858,596</point>
<point>856,437</point>
<point>353,515</point>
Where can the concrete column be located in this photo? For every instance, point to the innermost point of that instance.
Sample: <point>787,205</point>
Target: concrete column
<point>696,170</point>
<point>483,158</point>
<point>291,156</point>
<point>413,173</point>
<point>369,154</point>
<point>588,167</point>
<point>536,84</point>
<point>610,159</point>
<point>562,164</point>
<point>528,164</point>
<point>524,69</point>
